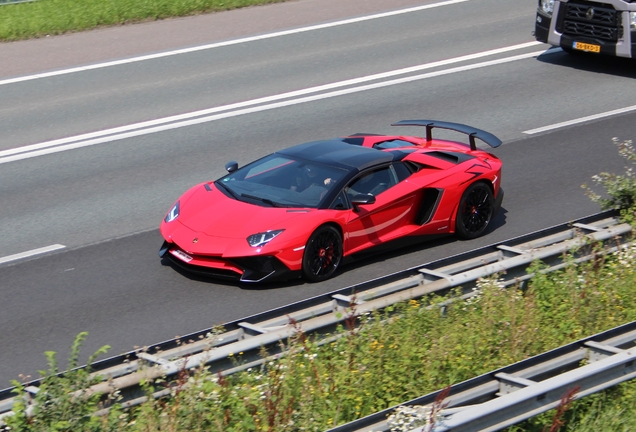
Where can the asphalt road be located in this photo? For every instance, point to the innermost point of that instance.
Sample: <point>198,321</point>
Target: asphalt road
<point>246,94</point>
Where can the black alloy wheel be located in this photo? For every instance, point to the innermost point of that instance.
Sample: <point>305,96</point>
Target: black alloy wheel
<point>323,254</point>
<point>475,211</point>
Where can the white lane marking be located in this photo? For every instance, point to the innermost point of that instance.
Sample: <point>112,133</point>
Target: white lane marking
<point>268,99</point>
<point>147,127</point>
<point>228,43</point>
<point>581,120</point>
<point>31,253</point>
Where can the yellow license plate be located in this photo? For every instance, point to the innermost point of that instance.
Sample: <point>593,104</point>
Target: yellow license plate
<point>586,47</point>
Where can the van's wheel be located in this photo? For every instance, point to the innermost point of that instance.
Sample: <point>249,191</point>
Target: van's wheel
<point>475,211</point>
<point>323,253</point>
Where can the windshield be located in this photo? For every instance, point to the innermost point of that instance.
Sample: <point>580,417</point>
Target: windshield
<point>280,181</point>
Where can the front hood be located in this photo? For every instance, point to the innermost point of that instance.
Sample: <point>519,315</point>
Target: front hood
<point>212,213</point>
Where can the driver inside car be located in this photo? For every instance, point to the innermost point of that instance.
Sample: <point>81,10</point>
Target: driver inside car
<point>363,185</point>
<point>309,177</point>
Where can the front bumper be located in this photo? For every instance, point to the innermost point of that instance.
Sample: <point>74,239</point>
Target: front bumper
<point>542,27</point>
<point>241,269</point>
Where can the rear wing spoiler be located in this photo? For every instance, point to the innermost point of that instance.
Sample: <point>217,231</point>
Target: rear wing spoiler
<point>472,132</point>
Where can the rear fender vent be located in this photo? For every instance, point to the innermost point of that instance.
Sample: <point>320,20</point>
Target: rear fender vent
<point>416,166</point>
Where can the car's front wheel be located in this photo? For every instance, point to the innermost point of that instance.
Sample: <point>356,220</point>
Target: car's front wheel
<point>475,211</point>
<point>323,253</point>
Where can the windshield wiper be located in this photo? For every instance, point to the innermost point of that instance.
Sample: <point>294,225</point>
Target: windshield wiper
<point>218,183</point>
<point>264,200</point>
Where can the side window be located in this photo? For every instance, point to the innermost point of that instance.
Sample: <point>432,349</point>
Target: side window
<point>373,182</point>
<point>401,171</point>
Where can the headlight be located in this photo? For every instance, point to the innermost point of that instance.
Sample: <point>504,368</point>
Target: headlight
<point>547,6</point>
<point>632,20</point>
<point>173,213</point>
<point>261,239</point>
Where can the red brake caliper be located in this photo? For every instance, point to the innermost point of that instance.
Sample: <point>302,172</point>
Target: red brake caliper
<point>326,258</point>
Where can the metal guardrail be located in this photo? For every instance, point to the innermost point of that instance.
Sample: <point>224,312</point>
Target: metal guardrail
<point>322,314</point>
<point>509,395</point>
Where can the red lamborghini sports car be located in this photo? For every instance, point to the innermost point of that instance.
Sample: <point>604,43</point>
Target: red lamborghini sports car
<point>302,211</point>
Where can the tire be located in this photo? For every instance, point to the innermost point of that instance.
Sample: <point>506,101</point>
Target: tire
<point>323,254</point>
<point>476,209</point>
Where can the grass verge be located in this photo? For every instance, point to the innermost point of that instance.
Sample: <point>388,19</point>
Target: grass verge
<point>395,355</point>
<point>53,17</point>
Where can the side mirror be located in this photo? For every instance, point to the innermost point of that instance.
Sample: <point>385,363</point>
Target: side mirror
<point>231,166</point>
<point>362,199</point>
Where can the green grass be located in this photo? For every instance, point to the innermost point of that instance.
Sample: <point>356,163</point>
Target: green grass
<point>53,17</point>
<point>396,355</point>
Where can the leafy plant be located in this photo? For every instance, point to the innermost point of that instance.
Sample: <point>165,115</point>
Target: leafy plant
<point>619,190</point>
<point>63,401</point>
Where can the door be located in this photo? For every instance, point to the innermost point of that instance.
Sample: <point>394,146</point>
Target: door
<point>372,224</point>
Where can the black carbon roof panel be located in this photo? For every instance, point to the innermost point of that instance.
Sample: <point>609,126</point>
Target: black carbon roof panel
<point>339,153</point>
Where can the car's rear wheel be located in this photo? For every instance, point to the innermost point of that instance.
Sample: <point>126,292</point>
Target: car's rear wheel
<point>323,253</point>
<point>475,211</point>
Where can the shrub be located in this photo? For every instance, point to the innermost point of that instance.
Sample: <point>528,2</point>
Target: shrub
<point>619,190</point>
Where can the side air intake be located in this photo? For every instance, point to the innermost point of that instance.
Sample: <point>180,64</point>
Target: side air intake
<point>430,199</point>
